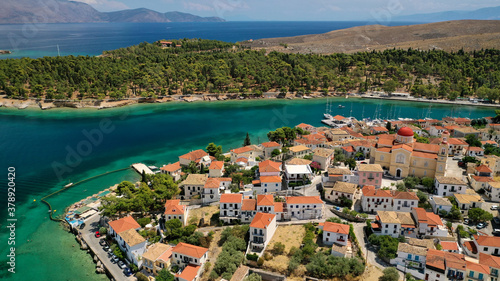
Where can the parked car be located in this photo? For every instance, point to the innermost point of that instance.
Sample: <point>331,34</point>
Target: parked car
<point>496,232</point>
<point>97,234</point>
<point>115,259</point>
<point>480,225</point>
<point>127,272</point>
<point>105,248</point>
<point>466,221</point>
<point>494,207</point>
<point>103,242</point>
<point>121,264</point>
<point>496,220</point>
<point>457,158</point>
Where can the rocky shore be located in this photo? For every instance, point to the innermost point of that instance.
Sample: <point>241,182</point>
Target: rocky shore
<point>5,52</point>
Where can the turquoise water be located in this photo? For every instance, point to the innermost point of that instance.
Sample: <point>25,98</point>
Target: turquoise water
<point>34,141</point>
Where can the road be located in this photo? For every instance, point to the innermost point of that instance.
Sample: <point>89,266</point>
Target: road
<point>91,226</point>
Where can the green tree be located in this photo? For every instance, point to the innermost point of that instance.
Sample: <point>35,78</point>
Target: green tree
<point>213,149</point>
<point>247,140</point>
<point>388,126</point>
<point>275,152</point>
<point>350,162</point>
<point>473,140</point>
<point>253,277</point>
<point>478,214</point>
<point>390,86</point>
<point>164,275</point>
<point>125,187</point>
<point>389,274</point>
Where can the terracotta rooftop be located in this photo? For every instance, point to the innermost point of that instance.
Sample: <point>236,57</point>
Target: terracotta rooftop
<point>172,207</point>
<point>244,149</point>
<point>270,144</point>
<point>395,217</point>
<point>371,191</point>
<point>303,200</point>
<point>189,250</point>
<point>272,179</point>
<point>424,155</point>
<point>155,251</point>
<point>124,224</point>
<point>323,152</point>
<point>194,155</point>
<point>265,200</point>
<point>489,260</point>
<point>476,267</point>
<point>189,272</point>
<point>484,169</point>
<point>269,166</point>
<point>248,205</point>
<point>216,165</point>
<point>449,245</point>
<point>298,148</point>
<point>278,207</point>
<point>406,195</point>
<point>488,241</point>
<point>171,167</point>
<point>212,183</point>
<point>336,227</point>
<point>262,220</point>
<point>231,198</point>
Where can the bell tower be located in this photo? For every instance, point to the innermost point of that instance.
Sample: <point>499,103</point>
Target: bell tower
<point>442,155</point>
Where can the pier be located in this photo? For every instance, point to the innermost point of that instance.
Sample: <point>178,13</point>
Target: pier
<point>139,167</point>
<point>412,99</point>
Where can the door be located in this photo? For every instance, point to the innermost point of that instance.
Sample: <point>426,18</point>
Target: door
<point>398,173</point>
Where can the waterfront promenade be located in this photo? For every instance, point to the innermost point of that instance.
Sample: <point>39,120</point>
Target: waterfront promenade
<point>412,99</point>
<point>91,226</point>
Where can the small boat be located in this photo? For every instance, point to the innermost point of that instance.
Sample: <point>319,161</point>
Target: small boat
<point>69,184</point>
<point>341,106</point>
<point>327,116</point>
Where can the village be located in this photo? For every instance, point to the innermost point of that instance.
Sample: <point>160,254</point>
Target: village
<point>419,196</point>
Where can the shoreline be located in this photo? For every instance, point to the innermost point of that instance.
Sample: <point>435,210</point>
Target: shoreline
<point>36,103</point>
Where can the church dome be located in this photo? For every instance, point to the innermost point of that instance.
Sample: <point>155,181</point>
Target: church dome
<point>405,132</point>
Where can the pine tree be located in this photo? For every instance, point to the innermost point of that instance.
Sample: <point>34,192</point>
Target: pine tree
<point>143,176</point>
<point>247,140</point>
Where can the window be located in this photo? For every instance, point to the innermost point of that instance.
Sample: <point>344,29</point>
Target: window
<point>381,157</point>
<point>400,158</point>
<point>485,249</point>
<point>409,256</point>
<point>416,258</point>
<point>471,274</point>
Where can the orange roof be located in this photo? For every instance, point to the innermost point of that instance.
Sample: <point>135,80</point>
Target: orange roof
<point>303,200</point>
<point>424,155</point>
<point>471,246</point>
<point>406,195</point>
<point>270,144</point>
<point>172,207</point>
<point>189,272</point>
<point>244,149</point>
<point>216,165</point>
<point>384,149</point>
<point>124,224</point>
<point>403,146</point>
<point>427,217</point>
<point>348,148</point>
<point>482,179</point>
<point>480,268</point>
<point>269,166</point>
<point>242,159</point>
<point>380,129</point>
<point>489,241</point>
<point>248,205</point>
<point>426,147</point>
<point>212,183</point>
<point>265,200</point>
<point>189,250</point>
<point>194,155</point>
<point>489,260</point>
<point>278,207</point>
<point>435,259</point>
<point>449,245</point>
<point>231,198</point>
<point>338,117</point>
<point>270,179</point>
<point>336,227</point>
<point>371,191</point>
<point>489,142</point>
<point>473,148</point>
<point>303,125</point>
<point>262,220</point>
<point>171,167</point>
<point>484,169</point>
<point>166,255</point>
<point>385,142</point>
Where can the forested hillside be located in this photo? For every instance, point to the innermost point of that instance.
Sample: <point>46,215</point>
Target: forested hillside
<point>207,66</point>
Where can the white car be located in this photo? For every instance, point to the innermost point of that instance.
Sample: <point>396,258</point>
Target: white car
<point>494,207</point>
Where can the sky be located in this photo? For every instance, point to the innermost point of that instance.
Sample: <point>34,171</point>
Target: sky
<point>296,10</point>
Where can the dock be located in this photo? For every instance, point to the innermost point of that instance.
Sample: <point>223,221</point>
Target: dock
<point>139,167</point>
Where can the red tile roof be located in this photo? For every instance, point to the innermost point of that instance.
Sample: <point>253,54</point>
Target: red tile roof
<point>171,167</point>
<point>484,169</point>
<point>482,179</point>
<point>244,149</point>
<point>407,195</point>
<point>371,191</point>
<point>189,272</point>
<point>348,148</point>
<point>262,220</point>
<point>270,144</point>
<point>384,149</point>
<point>336,227</point>
<point>278,207</point>
<point>124,224</point>
<point>194,155</point>
<point>242,159</point>
<point>231,198</point>
<point>449,245</point>
<point>303,200</point>
<point>473,148</point>
<point>189,250</point>
<point>424,155</point>
<point>172,207</point>
<point>426,147</point>
<point>265,200</point>
<point>380,129</point>
<point>471,246</point>
<point>272,179</point>
<point>248,205</point>
<point>435,259</point>
<point>338,117</point>
<point>402,146</point>
<point>216,165</point>
<point>489,260</point>
<point>429,218</point>
<point>488,241</point>
<point>269,166</point>
<point>212,183</point>
<point>303,125</point>
<point>479,268</point>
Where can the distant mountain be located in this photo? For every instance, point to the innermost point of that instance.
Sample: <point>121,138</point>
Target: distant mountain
<point>63,11</point>
<point>490,13</point>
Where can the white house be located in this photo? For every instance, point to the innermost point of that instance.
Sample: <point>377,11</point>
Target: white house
<point>475,151</point>
<point>468,201</point>
<point>216,169</point>
<point>341,190</point>
<point>404,201</point>
<point>211,190</point>
<point>486,244</point>
<point>297,173</point>
<point>269,168</point>
<point>335,233</point>
<point>230,206</point>
<point>190,259</point>
<point>173,210</point>
<point>446,186</point>
<point>269,147</point>
<point>193,185</point>
<point>267,184</point>
<point>429,224</point>
<point>324,157</point>
<point>124,231</point>
<point>411,258</point>
<point>174,170</point>
<point>262,230</point>
<point>373,199</point>
<point>493,191</point>
<point>440,203</point>
<point>394,224</point>
<point>193,156</point>
<point>304,207</point>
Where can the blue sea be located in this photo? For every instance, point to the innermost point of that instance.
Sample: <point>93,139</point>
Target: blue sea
<point>38,40</point>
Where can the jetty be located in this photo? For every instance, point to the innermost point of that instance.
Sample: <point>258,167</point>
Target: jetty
<point>140,168</point>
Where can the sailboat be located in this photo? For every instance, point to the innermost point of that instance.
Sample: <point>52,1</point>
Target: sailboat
<point>327,114</point>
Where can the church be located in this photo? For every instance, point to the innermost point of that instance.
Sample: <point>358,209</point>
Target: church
<point>401,156</point>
